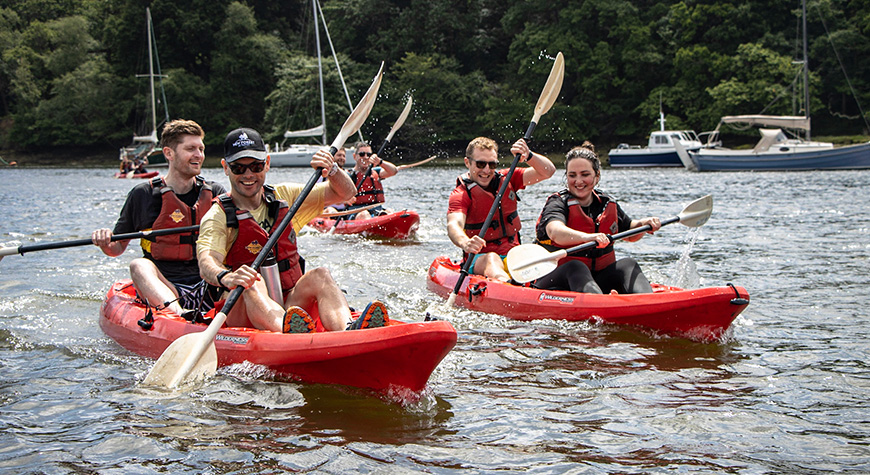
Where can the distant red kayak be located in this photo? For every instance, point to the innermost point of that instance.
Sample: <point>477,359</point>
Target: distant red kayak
<point>400,355</point>
<point>137,175</point>
<point>398,225</point>
<point>699,314</point>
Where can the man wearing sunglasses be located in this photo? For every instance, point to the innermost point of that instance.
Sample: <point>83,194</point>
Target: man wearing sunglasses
<point>367,175</point>
<point>474,195</point>
<point>234,230</point>
<point>168,275</point>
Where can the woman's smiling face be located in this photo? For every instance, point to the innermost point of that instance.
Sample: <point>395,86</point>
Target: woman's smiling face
<point>581,179</point>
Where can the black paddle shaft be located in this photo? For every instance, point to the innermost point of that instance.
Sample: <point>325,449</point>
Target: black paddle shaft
<point>118,237</point>
<point>495,204</point>
<point>622,235</point>
<point>276,234</point>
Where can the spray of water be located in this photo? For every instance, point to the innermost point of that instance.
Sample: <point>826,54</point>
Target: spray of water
<point>685,273</point>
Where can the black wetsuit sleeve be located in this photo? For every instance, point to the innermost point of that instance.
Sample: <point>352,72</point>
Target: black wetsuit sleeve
<point>554,210</point>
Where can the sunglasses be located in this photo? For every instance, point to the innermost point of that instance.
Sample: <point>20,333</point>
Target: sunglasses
<point>255,167</point>
<point>485,163</point>
<point>365,154</point>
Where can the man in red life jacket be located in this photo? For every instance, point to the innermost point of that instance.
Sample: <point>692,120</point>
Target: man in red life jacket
<point>367,175</point>
<point>473,197</point>
<point>235,229</point>
<point>167,274</point>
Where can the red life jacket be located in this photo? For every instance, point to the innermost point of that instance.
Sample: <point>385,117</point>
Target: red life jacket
<point>252,237</point>
<point>175,214</point>
<point>597,258</point>
<point>505,225</point>
<point>369,189</point>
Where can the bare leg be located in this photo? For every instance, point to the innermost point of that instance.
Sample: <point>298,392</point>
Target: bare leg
<point>152,286</point>
<point>363,215</point>
<point>317,289</point>
<point>256,309</point>
<point>491,265</point>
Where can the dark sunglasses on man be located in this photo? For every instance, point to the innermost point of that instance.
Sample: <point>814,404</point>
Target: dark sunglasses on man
<point>239,169</point>
<point>485,163</point>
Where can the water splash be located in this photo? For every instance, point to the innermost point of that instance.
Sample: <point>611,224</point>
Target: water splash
<point>686,272</point>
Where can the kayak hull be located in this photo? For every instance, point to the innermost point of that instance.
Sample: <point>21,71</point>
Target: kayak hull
<point>137,175</point>
<point>699,314</point>
<point>399,225</point>
<point>400,355</point>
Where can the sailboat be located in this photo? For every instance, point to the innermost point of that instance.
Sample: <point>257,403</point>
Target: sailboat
<point>775,150</point>
<point>299,155</point>
<point>143,146</point>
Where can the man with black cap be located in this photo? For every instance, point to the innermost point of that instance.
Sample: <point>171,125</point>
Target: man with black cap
<point>167,275</point>
<point>234,230</point>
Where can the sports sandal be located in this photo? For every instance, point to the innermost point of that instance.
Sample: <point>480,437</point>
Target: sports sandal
<point>374,316</point>
<point>297,320</point>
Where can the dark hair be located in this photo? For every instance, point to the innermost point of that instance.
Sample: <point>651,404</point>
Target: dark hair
<point>587,151</point>
<point>173,131</point>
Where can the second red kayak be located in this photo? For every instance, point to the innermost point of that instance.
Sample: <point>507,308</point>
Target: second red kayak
<point>400,355</point>
<point>137,175</point>
<point>699,314</point>
<point>399,225</point>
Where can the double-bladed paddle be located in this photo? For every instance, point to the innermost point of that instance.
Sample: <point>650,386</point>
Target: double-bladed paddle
<point>193,356</point>
<point>8,251</point>
<point>531,261</point>
<point>545,102</point>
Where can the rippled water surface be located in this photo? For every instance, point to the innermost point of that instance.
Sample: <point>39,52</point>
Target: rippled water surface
<point>786,392</point>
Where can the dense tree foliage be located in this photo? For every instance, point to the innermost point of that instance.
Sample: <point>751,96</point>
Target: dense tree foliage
<point>70,70</point>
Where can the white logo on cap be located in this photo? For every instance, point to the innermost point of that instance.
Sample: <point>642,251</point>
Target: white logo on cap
<point>243,140</point>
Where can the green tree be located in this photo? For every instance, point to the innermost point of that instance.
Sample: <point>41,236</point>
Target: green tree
<point>242,73</point>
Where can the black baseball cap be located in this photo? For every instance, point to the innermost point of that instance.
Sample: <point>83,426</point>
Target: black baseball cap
<point>244,142</point>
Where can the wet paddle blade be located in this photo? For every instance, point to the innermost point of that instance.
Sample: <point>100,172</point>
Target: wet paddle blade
<point>360,112</point>
<point>551,89</point>
<point>165,371</point>
<point>697,212</point>
<point>401,120</point>
<point>189,358</point>
<point>528,262</point>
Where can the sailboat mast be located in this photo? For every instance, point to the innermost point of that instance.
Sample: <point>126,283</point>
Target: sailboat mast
<point>151,76</point>
<point>806,67</point>
<point>319,70</point>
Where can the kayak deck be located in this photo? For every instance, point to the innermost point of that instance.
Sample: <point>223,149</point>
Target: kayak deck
<point>399,355</point>
<point>398,225</point>
<point>699,314</point>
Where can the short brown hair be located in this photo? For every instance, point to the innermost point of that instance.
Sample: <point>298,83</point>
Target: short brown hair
<point>482,143</point>
<point>173,131</point>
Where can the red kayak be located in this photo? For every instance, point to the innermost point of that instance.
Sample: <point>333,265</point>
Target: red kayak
<point>699,314</point>
<point>137,175</point>
<point>400,355</point>
<point>398,225</point>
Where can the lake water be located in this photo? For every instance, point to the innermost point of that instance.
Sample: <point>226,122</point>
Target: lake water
<point>786,392</point>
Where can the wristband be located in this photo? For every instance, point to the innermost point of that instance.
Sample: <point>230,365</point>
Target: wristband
<point>221,276</point>
<point>333,169</point>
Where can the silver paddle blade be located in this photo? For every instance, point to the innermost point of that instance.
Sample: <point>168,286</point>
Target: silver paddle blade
<point>698,212</point>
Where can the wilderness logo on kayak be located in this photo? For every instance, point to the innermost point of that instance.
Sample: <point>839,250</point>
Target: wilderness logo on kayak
<point>238,340</point>
<point>545,297</point>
